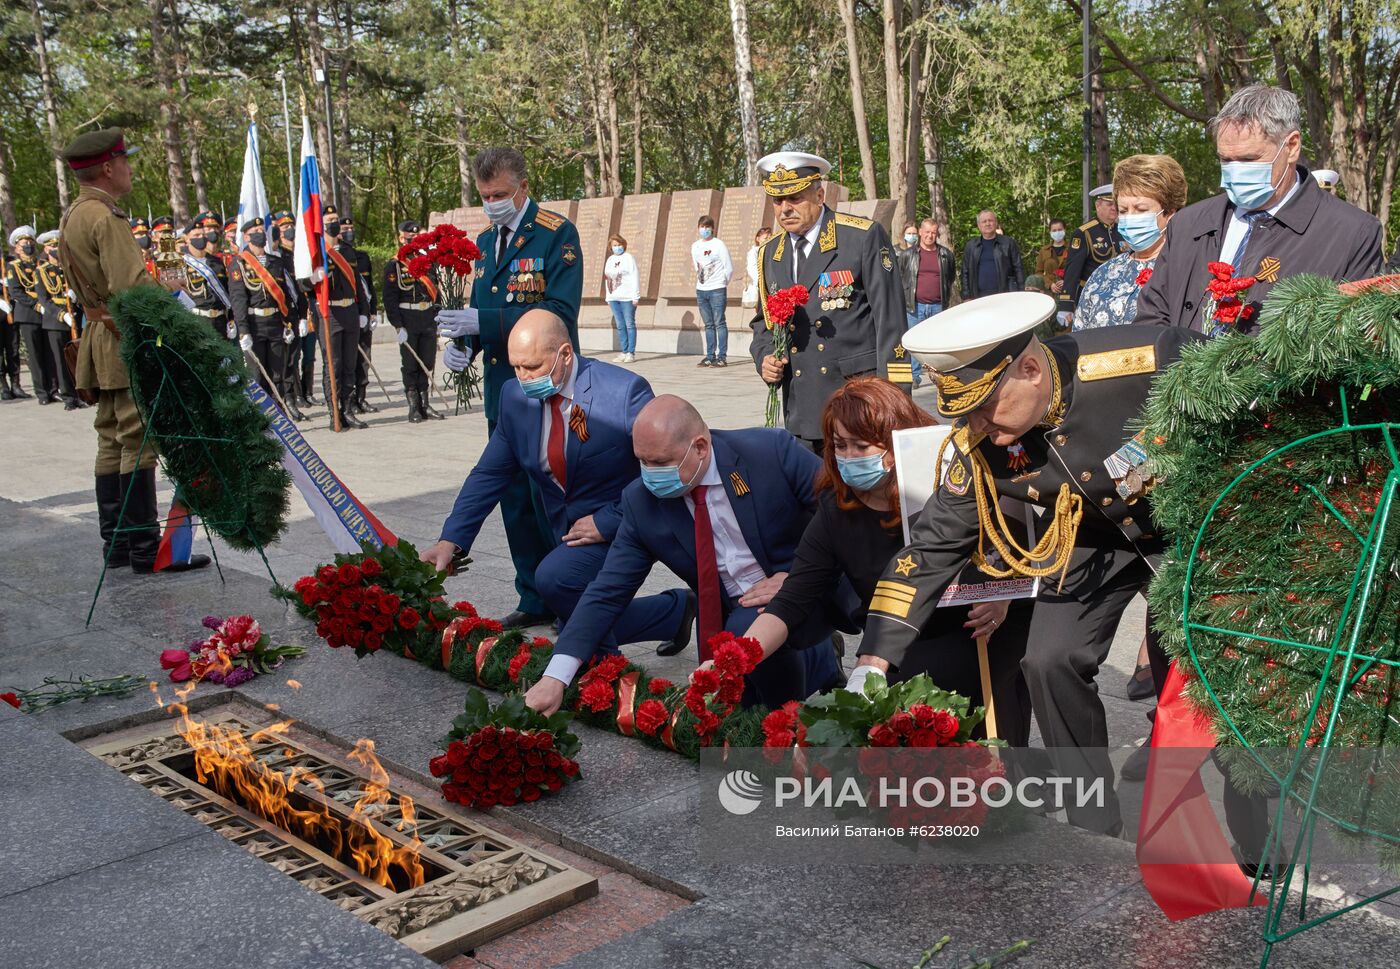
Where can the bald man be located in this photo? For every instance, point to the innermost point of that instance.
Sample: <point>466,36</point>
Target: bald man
<point>566,422</point>
<point>724,510</point>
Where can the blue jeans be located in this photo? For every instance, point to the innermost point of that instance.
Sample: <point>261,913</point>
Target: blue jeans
<point>625,319</point>
<point>922,311</point>
<point>716,328</point>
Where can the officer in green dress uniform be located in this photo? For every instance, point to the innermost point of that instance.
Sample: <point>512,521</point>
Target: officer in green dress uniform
<point>1094,243</point>
<point>1045,423</point>
<point>529,258</point>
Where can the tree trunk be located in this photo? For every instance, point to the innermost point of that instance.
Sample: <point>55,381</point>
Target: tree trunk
<point>41,50</point>
<point>743,72</point>
<point>190,118</point>
<point>171,139</point>
<point>1205,66</point>
<point>1361,136</point>
<point>7,198</point>
<point>345,153</point>
<point>867,155</point>
<point>894,111</point>
<point>316,48</point>
<point>917,78</point>
<point>636,131</point>
<point>937,193</point>
<point>459,115</point>
<point>1098,115</point>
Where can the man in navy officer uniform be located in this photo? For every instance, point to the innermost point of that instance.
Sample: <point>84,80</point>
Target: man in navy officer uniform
<point>366,350</point>
<point>567,423</point>
<point>410,306</point>
<point>1094,243</point>
<point>350,309</point>
<point>853,322</point>
<point>208,280</point>
<point>257,289</point>
<point>529,258</point>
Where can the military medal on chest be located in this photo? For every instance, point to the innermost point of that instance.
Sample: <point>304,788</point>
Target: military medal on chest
<point>526,282</point>
<point>835,289</point>
<point>1133,474</point>
<point>1016,457</point>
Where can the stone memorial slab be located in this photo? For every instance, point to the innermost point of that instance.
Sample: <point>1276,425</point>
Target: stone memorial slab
<point>568,208</point>
<point>643,224</point>
<point>878,210</point>
<point>597,219</point>
<point>745,211</point>
<point>677,271</point>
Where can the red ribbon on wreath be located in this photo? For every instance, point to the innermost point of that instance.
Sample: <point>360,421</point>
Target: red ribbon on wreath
<point>626,696</point>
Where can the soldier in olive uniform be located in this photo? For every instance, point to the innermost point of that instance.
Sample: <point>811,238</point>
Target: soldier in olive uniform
<point>410,304</point>
<point>60,322</point>
<point>1046,424</point>
<point>257,288</point>
<point>22,282</point>
<point>207,279</point>
<point>1094,243</point>
<point>100,258</point>
<point>853,322</point>
<point>349,305</point>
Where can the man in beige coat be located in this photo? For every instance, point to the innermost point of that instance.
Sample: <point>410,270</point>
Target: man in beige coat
<point>100,258</point>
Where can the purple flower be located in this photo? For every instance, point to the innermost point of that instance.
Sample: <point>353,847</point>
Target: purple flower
<point>214,676</point>
<point>196,644</point>
<point>212,622</point>
<point>238,676</point>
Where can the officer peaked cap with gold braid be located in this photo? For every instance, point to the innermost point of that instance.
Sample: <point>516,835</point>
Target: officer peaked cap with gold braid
<point>789,172</point>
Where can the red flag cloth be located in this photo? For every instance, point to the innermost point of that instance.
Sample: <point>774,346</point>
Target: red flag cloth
<point>707,572</point>
<point>555,449</point>
<point>1178,827</point>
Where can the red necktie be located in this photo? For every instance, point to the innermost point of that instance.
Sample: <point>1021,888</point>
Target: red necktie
<point>556,441</point>
<point>707,572</point>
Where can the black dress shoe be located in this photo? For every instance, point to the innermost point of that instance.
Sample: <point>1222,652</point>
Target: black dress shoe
<point>1261,870</point>
<point>17,391</point>
<point>1140,685</point>
<point>44,400</point>
<point>348,419</point>
<point>519,619</point>
<point>54,398</point>
<point>682,638</point>
<point>195,562</point>
<point>1134,769</point>
<point>72,405</point>
<point>366,407</point>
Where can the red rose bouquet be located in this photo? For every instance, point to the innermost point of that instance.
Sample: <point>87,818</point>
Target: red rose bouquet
<point>778,311</point>
<point>1225,305</point>
<point>445,255</point>
<point>506,755</point>
<point>234,653</point>
<point>377,599</point>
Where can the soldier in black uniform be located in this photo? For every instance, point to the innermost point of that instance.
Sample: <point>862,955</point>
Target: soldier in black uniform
<point>410,304</point>
<point>257,289</point>
<point>60,318</point>
<point>208,279</point>
<point>1094,243</point>
<point>9,341</point>
<point>349,304</point>
<point>22,282</point>
<point>854,321</point>
<point>366,274</point>
<point>1043,423</point>
<point>301,352</point>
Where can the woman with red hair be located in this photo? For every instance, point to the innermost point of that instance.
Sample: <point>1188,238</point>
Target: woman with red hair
<point>855,533</point>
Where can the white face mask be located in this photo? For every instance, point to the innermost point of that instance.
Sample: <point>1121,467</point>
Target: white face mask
<point>1057,235</point>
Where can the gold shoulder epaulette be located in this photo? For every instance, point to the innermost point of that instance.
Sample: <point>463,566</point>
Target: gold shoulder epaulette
<point>1089,225</point>
<point>1118,363</point>
<point>550,220</point>
<point>854,221</point>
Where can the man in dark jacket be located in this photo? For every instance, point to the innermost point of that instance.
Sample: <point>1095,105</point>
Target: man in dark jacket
<point>1272,221</point>
<point>927,271</point>
<point>991,262</point>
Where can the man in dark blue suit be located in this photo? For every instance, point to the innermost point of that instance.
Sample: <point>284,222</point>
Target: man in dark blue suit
<point>567,424</point>
<point>724,510</point>
<point>530,259</point>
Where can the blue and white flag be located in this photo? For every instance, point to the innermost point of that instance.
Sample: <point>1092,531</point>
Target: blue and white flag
<point>252,197</point>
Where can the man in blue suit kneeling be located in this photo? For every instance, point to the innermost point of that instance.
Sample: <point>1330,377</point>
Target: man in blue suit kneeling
<point>724,510</point>
<point>566,421</point>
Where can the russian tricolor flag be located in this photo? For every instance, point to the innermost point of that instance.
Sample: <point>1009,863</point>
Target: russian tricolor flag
<point>309,251</point>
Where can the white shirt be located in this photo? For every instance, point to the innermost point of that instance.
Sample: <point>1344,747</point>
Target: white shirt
<point>811,236</point>
<point>750,297</point>
<point>547,420</point>
<point>624,279</point>
<point>514,227</point>
<point>738,567</point>
<point>713,269</point>
<point>1237,227</point>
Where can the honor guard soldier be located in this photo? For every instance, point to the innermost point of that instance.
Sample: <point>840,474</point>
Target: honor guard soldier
<point>362,358</point>
<point>301,352</point>
<point>853,322</point>
<point>100,259</point>
<point>60,322</point>
<point>141,232</point>
<point>162,226</point>
<point>410,305</point>
<point>22,283</point>
<point>257,290</point>
<point>1048,424</point>
<point>9,341</point>
<point>230,248</point>
<point>1094,243</point>
<point>349,303</point>
<point>208,280</point>
<point>529,258</point>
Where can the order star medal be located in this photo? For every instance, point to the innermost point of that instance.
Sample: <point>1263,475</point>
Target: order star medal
<point>511,273</point>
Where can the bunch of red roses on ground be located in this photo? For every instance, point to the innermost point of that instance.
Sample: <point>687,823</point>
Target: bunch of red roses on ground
<point>506,755</point>
<point>236,651</point>
<point>1225,293</point>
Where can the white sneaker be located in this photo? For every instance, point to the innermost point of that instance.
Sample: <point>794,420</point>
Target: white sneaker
<point>626,358</point>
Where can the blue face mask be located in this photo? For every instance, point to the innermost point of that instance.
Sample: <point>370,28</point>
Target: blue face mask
<point>542,387</point>
<point>863,474</point>
<point>705,233</point>
<point>617,250</point>
<point>500,212</point>
<point>1139,229</point>
<point>665,482</point>
<point>1249,184</point>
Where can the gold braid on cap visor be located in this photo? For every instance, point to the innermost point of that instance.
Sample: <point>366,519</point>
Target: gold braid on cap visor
<point>784,181</point>
<point>956,398</point>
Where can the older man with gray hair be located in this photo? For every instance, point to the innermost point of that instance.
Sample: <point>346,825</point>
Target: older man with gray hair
<point>1272,221</point>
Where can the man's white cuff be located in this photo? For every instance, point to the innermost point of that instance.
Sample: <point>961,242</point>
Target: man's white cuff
<point>856,683</point>
<point>563,668</point>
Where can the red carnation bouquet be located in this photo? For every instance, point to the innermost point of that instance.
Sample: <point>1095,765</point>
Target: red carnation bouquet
<point>778,311</point>
<point>377,599</point>
<point>1225,305</point>
<point>506,755</point>
<point>445,254</point>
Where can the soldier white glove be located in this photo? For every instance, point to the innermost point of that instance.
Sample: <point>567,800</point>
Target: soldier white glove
<point>401,335</point>
<point>364,322</point>
<point>455,359</point>
<point>301,328</point>
<point>246,342</point>
<point>4,306</point>
<point>856,684</point>
<point>374,321</point>
<point>287,335</point>
<point>68,318</point>
<point>455,323</point>
<point>231,331</point>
